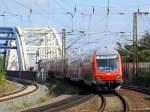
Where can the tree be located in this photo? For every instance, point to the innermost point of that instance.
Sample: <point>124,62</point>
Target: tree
<point>143,50</point>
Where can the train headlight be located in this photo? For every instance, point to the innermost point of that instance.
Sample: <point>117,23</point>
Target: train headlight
<point>117,77</point>
<point>99,78</point>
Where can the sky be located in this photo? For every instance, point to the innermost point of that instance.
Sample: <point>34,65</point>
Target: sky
<point>93,27</point>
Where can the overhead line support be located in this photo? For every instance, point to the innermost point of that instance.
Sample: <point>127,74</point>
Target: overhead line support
<point>63,49</point>
<point>135,40</point>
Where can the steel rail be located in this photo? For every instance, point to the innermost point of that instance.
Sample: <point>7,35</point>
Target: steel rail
<point>16,92</point>
<point>125,104</point>
<point>103,103</point>
<point>63,105</point>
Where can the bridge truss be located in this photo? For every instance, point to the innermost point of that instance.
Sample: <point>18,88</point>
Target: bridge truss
<point>18,44</point>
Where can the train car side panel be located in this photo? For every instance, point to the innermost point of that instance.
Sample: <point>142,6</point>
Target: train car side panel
<point>87,69</point>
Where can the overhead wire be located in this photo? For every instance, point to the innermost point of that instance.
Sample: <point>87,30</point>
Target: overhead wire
<point>112,7</point>
<point>40,13</point>
<point>3,15</point>
<point>22,5</point>
<point>108,10</point>
<point>8,12</point>
<point>58,4</point>
<point>144,22</point>
<point>90,15</point>
<point>90,19</point>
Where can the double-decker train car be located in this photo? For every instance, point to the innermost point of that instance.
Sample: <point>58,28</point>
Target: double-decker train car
<point>97,69</point>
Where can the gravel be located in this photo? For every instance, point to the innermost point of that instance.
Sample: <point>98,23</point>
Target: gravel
<point>113,103</point>
<point>137,101</point>
<point>89,106</point>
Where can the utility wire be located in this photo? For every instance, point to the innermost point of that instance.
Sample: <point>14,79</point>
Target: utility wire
<point>40,13</point>
<point>11,13</point>
<point>98,6</point>
<point>74,42</point>
<point>20,4</point>
<point>58,4</point>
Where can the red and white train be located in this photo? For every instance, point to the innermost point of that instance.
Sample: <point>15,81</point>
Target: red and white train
<point>100,70</point>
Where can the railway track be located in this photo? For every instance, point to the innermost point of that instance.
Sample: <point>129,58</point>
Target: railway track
<point>138,98</point>
<point>103,103</point>
<point>79,99</point>
<point>10,93</point>
<point>125,104</point>
<point>66,105</point>
<point>62,105</point>
<point>25,90</point>
<point>115,103</point>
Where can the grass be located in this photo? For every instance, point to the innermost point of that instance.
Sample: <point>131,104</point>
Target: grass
<point>41,99</point>
<point>2,71</point>
<point>23,105</point>
<point>7,86</point>
<point>58,87</point>
<point>2,78</point>
<point>55,88</point>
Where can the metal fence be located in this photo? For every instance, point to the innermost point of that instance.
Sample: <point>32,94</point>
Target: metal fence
<point>128,69</point>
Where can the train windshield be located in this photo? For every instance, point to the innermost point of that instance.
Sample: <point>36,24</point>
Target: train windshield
<point>107,63</point>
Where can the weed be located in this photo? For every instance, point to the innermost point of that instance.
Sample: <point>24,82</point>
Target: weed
<point>23,105</point>
<point>41,99</point>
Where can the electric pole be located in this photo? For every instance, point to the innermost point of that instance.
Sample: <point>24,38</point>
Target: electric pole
<point>63,49</point>
<point>135,52</point>
<point>135,41</point>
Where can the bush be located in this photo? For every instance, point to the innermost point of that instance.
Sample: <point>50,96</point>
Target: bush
<point>2,72</point>
<point>2,79</point>
<point>143,80</point>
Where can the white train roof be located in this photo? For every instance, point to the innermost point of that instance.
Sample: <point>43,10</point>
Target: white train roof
<point>107,51</point>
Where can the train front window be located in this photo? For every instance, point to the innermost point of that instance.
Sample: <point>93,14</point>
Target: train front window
<point>107,63</point>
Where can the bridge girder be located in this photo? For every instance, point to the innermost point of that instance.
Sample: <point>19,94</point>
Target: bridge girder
<point>44,43</point>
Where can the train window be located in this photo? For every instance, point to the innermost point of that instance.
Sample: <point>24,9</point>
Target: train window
<point>107,65</point>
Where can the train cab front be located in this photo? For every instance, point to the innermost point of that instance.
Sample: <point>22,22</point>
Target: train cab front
<point>108,71</point>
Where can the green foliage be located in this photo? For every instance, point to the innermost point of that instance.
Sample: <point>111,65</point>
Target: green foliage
<point>41,99</point>
<point>143,50</point>
<point>57,87</point>
<point>143,80</point>
<point>23,105</point>
<point>2,72</point>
